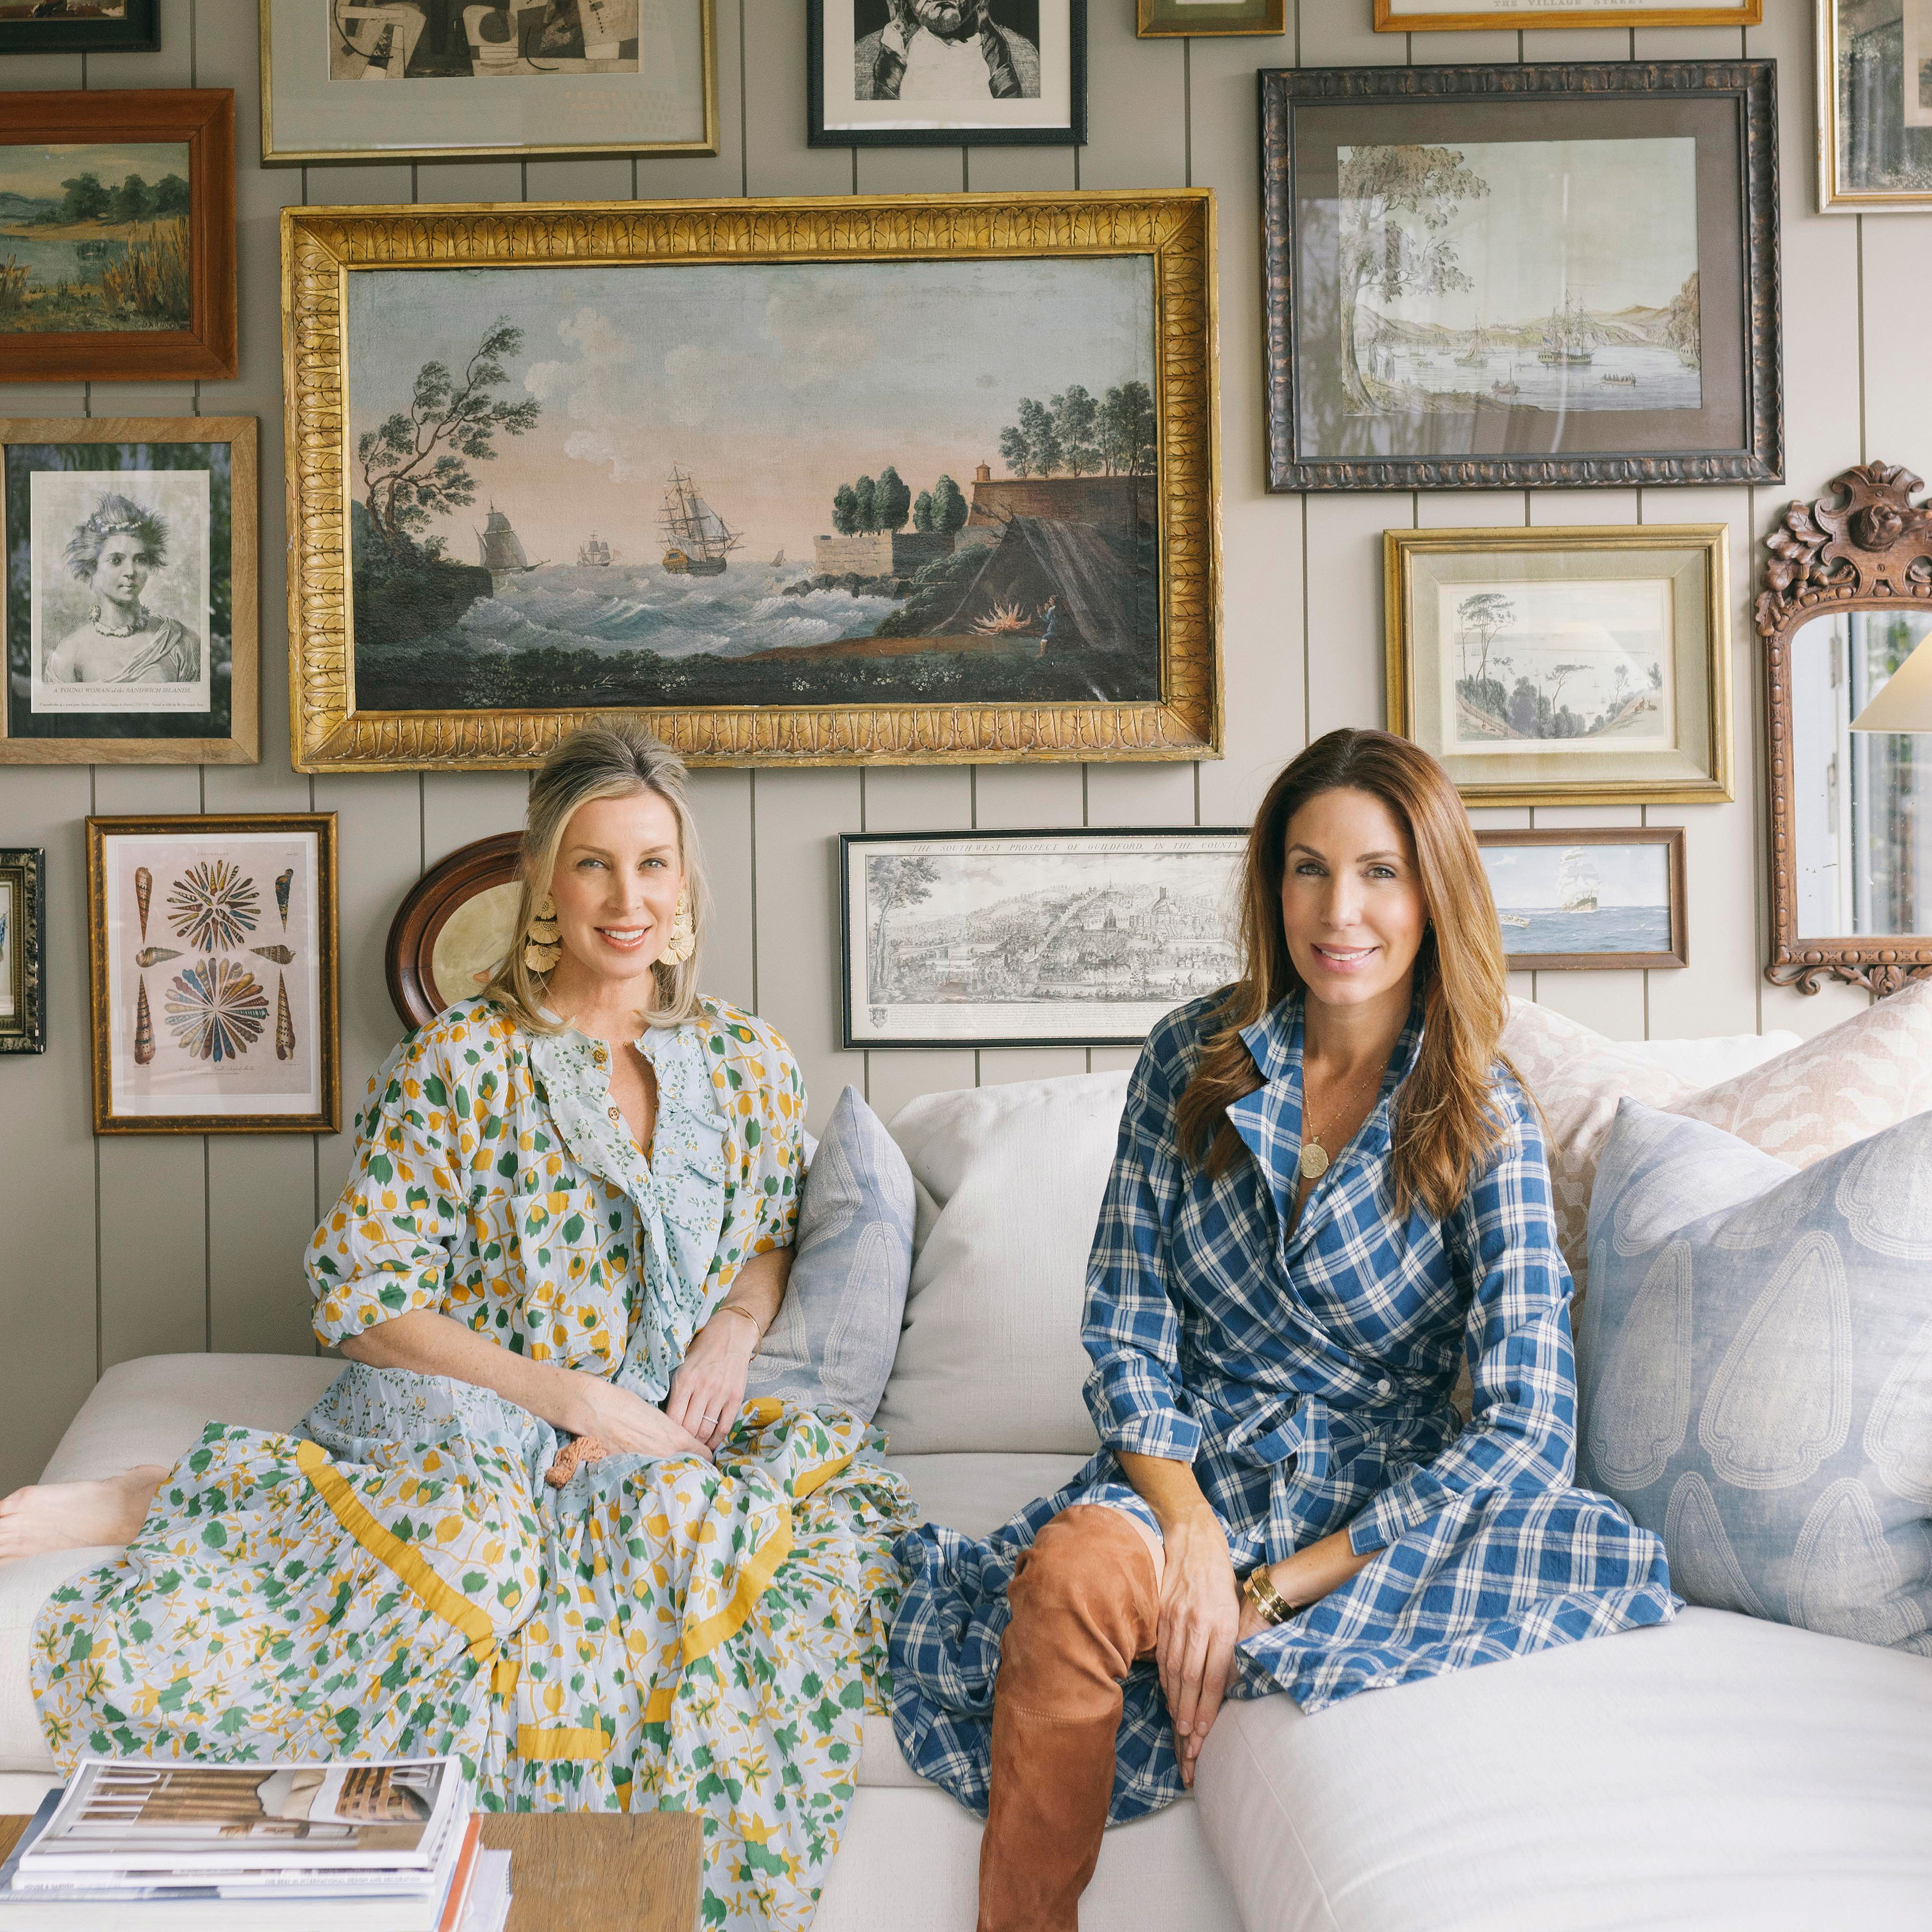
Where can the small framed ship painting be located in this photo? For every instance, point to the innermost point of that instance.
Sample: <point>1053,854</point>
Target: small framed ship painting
<point>1032,938</point>
<point>23,922</point>
<point>1612,896</point>
<point>211,948</point>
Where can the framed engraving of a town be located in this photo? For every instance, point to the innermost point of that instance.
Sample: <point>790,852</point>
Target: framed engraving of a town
<point>855,480</point>
<point>1032,938</point>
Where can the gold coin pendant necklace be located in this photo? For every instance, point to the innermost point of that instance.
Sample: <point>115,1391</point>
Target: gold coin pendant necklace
<point>1314,1161</point>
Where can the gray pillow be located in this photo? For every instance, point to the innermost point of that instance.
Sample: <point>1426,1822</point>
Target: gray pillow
<point>1755,1370</point>
<point>838,1329</point>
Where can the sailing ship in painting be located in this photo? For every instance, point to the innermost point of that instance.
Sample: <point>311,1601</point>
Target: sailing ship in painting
<point>500,550</point>
<point>1601,899</point>
<point>1578,881</point>
<point>698,541</point>
<point>594,554</point>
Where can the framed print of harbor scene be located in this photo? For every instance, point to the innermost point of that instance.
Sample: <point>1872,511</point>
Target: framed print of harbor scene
<point>1583,666</point>
<point>129,597</point>
<point>430,80</point>
<point>1032,938</point>
<point>211,948</point>
<point>1458,295</point>
<point>1874,105</point>
<point>23,924</point>
<point>117,236</point>
<point>79,26</point>
<point>1612,896</point>
<point>698,461</point>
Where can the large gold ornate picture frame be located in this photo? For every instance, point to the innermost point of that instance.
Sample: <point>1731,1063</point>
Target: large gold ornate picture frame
<point>859,480</point>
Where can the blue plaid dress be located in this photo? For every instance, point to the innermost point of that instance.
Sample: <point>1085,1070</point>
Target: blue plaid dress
<point>1308,1379</point>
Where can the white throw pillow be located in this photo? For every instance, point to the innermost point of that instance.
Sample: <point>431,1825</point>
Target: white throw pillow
<point>1011,1179</point>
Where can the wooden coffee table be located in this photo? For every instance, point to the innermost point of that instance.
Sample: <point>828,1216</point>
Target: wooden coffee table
<point>581,1871</point>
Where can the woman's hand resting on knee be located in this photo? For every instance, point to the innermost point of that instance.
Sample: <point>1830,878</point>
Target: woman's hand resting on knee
<point>625,1423</point>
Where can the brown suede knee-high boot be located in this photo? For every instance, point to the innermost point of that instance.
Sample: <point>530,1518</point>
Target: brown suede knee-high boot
<point>1084,1607</point>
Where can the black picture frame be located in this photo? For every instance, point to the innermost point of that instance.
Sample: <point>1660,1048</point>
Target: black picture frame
<point>1182,945</point>
<point>1071,134</point>
<point>137,32</point>
<point>1730,107</point>
<point>23,908</point>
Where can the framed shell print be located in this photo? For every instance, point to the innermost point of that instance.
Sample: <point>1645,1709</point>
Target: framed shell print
<point>212,961</point>
<point>23,927</point>
<point>453,927</point>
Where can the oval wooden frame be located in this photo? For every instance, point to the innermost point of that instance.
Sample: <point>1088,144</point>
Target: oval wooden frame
<point>1864,546</point>
<point>428,907</point>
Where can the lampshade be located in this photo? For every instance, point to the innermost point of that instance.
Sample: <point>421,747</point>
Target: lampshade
<point>1905,703</point>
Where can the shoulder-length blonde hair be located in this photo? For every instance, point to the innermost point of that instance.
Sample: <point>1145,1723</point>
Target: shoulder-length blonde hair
<point>1447,1117</point>
<point>613,761</point>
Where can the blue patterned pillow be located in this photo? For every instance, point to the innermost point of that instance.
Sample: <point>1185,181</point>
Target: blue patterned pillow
<point>839,1327</point>
<point>1756,1369</point>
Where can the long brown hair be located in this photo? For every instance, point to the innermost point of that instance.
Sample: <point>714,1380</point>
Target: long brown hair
<point>1446,1114</point>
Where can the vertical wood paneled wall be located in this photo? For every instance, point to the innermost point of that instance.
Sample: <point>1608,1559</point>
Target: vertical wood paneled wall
<point>129,1246</point>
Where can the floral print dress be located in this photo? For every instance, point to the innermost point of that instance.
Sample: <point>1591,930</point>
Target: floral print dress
<point>395,1575</point>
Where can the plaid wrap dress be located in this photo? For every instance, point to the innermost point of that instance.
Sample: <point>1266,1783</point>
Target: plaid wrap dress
<point>1307,1378</point>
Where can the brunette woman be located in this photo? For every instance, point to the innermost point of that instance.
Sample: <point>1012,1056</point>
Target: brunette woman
<point>1329,1192</point>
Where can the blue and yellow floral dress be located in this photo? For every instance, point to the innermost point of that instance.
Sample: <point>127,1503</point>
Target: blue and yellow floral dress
<point>395,1576</point>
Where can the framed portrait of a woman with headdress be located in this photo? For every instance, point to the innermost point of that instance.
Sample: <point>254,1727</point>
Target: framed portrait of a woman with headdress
<point>130,600</point>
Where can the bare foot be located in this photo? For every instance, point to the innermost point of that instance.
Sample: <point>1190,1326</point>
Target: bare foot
<point>77,1516</point>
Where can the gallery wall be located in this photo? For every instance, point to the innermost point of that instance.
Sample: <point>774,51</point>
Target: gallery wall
<point>130,1246</point>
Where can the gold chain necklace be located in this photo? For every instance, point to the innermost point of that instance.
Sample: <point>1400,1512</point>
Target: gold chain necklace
<point>1314,1161</point>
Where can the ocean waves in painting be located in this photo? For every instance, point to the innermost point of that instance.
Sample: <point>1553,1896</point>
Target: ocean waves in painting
<point>1612,929</point>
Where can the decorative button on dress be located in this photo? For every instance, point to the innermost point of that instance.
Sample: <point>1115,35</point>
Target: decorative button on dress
<point>395,1576</point>
<point>1307,1378</point>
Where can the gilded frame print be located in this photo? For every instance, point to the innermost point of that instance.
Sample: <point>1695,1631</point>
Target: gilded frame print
<point>1530,334</point>
<point>133,27</point>
<point>186,487</point>
<point>1874,107</point>
<point>23,942</point>
<point>1404,16</point>
<point>1059,615</point>
<point>196,1028</point>
<point>1081,938</point>
<point>174,277</point>
<point>1607,898</point>
<point>1157,20</point>
<point>581,95</point>
<point>1591,665</point>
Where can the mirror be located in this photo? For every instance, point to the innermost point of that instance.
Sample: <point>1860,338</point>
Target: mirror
<point>1848,598</point>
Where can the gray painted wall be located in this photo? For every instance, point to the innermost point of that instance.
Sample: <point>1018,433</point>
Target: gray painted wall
<point>130,1246</point>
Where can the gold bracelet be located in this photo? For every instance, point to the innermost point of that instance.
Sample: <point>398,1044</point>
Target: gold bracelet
<point>758,1328</point>
<point>1263,1599</point>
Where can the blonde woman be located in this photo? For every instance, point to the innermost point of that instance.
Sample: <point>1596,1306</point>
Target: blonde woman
<point>535,1522</point>
<point>1329,1192</point>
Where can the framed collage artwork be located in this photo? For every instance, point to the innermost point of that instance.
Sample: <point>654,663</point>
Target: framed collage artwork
<point>212,959</point>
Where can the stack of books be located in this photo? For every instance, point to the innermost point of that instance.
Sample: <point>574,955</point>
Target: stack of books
<point>390,1846</point>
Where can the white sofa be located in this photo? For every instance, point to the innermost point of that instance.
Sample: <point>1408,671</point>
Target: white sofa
<point>1718,1772</point>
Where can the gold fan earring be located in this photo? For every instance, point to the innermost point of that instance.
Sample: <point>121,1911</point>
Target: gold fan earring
<point>543,938</point>
<point>683,940</point>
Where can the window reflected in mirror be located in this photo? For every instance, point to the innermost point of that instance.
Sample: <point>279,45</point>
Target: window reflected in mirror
<point>1861,801</point>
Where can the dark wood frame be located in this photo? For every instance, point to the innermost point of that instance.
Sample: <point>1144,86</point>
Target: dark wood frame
<point>25,1030</point>
<point>138,32</point>
<point>242,745</point>
<point>1670,836</point>
<point>203,118</point>
<point>969,1043</point>
<point>428,908</point>
<point>817,135</point>
<point>1274,17</point>
<point>1391,19</point>
<point>1750,85</point>
<point>1866,546</point>
<point>327,1119</point>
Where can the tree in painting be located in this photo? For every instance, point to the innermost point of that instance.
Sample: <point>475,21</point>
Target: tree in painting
<point>892,884</point>
<point>1075,434</point>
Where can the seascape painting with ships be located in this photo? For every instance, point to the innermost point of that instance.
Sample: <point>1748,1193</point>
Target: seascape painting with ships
<point>748,483</point>
<point>1597,898</point>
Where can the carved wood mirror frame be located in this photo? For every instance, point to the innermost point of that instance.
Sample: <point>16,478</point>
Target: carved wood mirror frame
<point>1866,546</point>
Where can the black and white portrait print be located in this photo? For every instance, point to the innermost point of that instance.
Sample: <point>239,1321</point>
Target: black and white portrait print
<point>946,50</point>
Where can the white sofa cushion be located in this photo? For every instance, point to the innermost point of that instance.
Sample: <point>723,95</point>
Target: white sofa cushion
<point>1011,1176</point>
<point>1714,1772</point>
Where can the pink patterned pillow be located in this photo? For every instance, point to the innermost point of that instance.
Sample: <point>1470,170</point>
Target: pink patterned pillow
<point>1864,1075</point>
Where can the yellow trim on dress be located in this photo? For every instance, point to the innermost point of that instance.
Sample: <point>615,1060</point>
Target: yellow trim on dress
<point>561,1741</point>
<point>395,1556</point>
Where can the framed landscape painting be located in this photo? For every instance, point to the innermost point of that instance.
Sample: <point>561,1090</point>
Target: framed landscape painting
<point>1460,293</point>
<point>1581,666</point>
<point>80,27</point>
<point>425,80</point>
<point>23,925</point>
<point>117,235</point>
<point>1032,938</point>
<point>211,948</point>
<point>698,461</point>
<point>129,597</point>
<point>1611,897</point>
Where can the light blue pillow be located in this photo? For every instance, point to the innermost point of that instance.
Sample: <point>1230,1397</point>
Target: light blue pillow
<point>838,1329</point>
<point>1755,1359</point>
